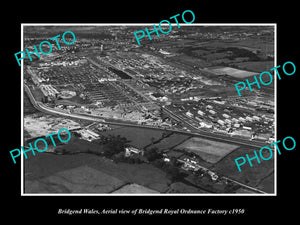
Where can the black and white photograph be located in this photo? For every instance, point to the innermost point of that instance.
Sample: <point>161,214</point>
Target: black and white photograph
<point>162,117</point>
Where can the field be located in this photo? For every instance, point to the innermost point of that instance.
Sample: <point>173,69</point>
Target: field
<point>139,137</point>
<point>217,91</point>
<point>224,52</point>
<point>142,174</point>
<point>267,183</point>
<point>170,141</point>
<point>51,173</point>
<point>191,61</point>
<point>210,151</point>
<point>232,72</point>
<point>76,145</point>
<point>82,179</point>
<point>252,176</point>
<point>179,187</point>
<point>28,107</point>
<point>255,66</point>
<point>134,189</point>
<point>249,44</point>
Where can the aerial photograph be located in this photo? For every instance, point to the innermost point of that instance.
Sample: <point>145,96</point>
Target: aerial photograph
<point>162,117</point>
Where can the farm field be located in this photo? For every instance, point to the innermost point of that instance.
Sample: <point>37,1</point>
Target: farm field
<point>142,174</point>
<point>52,173</point>
<point>267,183</point>
<point>217,91</point>
<point>170,141</point>
<point>76,145</point>
<point>28,107</point>
<point>208,150</point>
<point>191,61</point>
<point>231,72</point>
<point>255,66</point>
<point>134,189</point>
<point>252,176</point>
<point>82,179</point>
<point>139,137</point>
<point>249,44</point>
<point>179,187</point>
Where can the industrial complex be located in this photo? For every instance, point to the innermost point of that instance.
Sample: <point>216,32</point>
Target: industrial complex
<point>169,105</point>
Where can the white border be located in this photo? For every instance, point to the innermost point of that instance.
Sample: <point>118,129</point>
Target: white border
<point>148,24</point>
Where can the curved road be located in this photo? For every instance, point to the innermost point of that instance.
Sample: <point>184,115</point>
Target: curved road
<point>41,107</point>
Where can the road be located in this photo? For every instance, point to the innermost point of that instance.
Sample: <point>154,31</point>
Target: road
<point>41,107</point>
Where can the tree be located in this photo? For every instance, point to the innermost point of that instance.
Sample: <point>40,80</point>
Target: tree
<point>76,134</point>
<point>159,163</point>
<point>173,173</point>
<point>152,140</point>
<point>113,144</point>
<point>152,154</point>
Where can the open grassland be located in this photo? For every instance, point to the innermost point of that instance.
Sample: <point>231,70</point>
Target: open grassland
<point>249,175</point>
<point>255,66</point>
<point>142,174</point>
<point>179,187</point>
<point>87,173</point>
<point>208,150</point>
<point>82,179</point>
<point>28,107</point>
<point>267,183</point>
<point>170,141</point>
<point>249,44</point>
<point>134,189</point>
<point>232,72</point>
<point>76,145</point>
<point>139,137</point>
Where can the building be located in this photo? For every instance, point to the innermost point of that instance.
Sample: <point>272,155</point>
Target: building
<point>228,121</point>
<point>48,90</point>
<point>200,112</point>
<point>206,124</point>
<point>88,135</point>
<point>256,118</point>
<point>241,119</point>
<point>189,114</point>
<point>221,122</point>
<point>219,102</point>
<point>236,125</point>
<point>247,128</point>
<point>248,118</point>
<point>189,164</point>
<point>225,115</point>
<point>212,112</point>
<point>213,175</point>
<point>131,150</point>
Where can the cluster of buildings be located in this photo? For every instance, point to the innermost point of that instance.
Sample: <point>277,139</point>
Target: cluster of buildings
<point>91,132</point>
<point>88,135</point>
<point>225,116</point>
<point>187,163</point>
<point>142,64</point>
<point>48,90</point>
<point>191,163</point>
